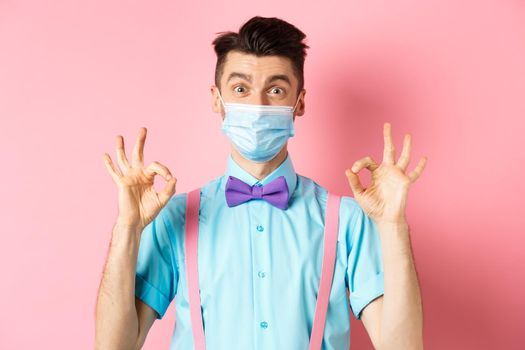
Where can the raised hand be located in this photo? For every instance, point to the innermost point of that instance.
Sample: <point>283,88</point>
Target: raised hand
<point>385,199</point>
<point>138,202</point>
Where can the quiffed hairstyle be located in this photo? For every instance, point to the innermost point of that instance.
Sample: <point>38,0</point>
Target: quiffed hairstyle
<point>263,36</point>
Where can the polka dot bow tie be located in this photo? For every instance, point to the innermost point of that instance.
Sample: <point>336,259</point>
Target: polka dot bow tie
<point>275,192</point>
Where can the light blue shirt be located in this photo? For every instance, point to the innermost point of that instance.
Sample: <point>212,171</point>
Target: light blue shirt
<point>260,266</point>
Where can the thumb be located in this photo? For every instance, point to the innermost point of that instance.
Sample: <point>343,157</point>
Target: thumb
<point>353,181</point>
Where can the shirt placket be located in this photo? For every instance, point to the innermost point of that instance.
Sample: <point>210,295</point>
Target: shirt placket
<point>259,233</point>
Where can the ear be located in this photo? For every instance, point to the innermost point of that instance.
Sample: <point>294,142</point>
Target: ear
<point>216,104</point>
<point>299,111</point>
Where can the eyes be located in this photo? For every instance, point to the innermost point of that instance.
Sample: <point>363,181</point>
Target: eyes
<point>241,90</point>
<point>277,90</point>
<point>238,89</point>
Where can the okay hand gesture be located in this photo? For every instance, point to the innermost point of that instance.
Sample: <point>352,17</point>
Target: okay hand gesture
<point>138,201</point>
<point>385,199</point>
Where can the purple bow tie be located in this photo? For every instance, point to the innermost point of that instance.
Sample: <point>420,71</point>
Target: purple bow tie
<point>274,192</point>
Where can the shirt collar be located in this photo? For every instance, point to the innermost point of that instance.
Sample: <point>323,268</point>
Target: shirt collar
<point>285,169</point>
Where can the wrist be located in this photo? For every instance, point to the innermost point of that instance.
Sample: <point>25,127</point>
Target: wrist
<point>128,226</point>
<point>399,222</point>
<point>400,226</point>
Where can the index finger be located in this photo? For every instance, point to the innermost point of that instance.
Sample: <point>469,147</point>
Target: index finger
<point>389,151</point>
<point>138,150</point>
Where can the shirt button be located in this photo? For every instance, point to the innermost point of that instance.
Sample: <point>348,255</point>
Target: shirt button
<point>264,324</point>
<point>261,274</point>
<point>260,228</point>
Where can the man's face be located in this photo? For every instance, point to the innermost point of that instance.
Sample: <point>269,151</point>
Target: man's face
<point>265,80</point>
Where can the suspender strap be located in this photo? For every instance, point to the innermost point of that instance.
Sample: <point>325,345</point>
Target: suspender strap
<point>192,273</point>
<point>331,228</point>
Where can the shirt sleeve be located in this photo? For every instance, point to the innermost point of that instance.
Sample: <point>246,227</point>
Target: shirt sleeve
<point>365,273</point>
<point>157,275</point>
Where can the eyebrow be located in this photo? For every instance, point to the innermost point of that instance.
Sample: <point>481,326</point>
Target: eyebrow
<point>280,77</point>
<point>248,77</point>
<point>239,75</point>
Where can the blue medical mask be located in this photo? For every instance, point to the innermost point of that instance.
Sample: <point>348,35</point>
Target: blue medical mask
<point>258,132</point>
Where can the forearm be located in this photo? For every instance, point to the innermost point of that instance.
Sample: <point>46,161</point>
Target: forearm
<point>402,318</point>
<point>116,314</point>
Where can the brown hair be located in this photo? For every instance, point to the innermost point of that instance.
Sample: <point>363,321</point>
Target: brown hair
<point>263,36</point>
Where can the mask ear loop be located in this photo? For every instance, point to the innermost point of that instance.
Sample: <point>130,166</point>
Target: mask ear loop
<point>219,92</point>
<point>293,110</point>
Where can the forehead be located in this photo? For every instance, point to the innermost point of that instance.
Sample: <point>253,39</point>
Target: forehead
<point>260,67</point>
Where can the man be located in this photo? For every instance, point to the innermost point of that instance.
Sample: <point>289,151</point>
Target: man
<point>260,260</point>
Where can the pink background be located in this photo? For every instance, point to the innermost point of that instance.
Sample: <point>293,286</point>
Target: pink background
<point>74,74</point>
